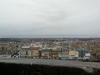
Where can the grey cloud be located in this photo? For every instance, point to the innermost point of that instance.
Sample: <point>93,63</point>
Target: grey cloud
<point>49,17</point>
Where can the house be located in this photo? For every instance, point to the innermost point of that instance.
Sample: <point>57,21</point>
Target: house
<point>45,53</point>
<point>98,55</point>
<point>95,55</point>
<point>87,56</point>
<point>82,51</point>
<point>73,54</point>
<point>4,48</point>
<point>25,51</point>
<point>63,54</point>
<point>54,54</point>
<point>36,44</point>
<point>35,52</point>
<point>30,52</point>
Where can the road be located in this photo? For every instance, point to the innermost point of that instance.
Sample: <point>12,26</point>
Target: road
<point>87,66</point>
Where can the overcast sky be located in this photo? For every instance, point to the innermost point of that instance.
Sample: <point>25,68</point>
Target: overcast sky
<point>26,18</point>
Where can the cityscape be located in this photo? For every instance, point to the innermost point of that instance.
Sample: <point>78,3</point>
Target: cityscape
<point>49,37</point>
<point>80,49</point>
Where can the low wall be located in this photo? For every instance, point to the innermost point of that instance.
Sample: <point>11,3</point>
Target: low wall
<point>20,69</point>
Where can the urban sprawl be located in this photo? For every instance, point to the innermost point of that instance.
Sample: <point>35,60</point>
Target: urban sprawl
<point>51,48</point>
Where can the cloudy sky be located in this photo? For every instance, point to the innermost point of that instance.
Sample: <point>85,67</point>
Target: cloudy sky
<point>27,18</point>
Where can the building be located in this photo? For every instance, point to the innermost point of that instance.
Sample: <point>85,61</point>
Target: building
<point>82,51</point>
<point>45,53</point>
<point>87,56</point>
<point>64,54</point>
<point>55,53</point>
<point>25,51</point>
<point>73,54</point>
<point>35,52</point>
<point>4,48</point>
<point>95,55</point>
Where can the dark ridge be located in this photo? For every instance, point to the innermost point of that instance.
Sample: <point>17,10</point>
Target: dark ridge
<point>22,69</point>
